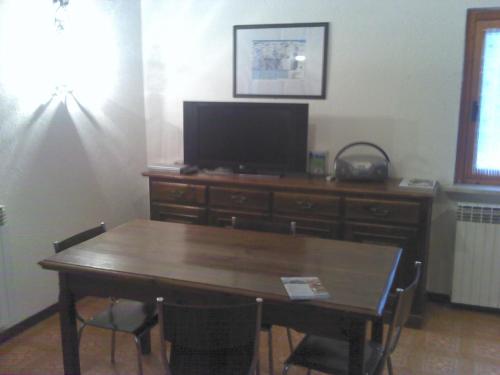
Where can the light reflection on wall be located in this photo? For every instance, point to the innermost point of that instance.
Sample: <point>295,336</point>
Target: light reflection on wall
<point>39,62</point>
<point>89,52</point>
<point>165,33</point>
<point>26,37</point>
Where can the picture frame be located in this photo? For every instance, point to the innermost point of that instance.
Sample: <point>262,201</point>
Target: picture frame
<point>318,163</point>
<point>280,60</point>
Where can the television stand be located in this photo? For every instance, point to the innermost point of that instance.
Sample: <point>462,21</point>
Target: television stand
<point>241,172</point>
<point>258,175</point>
<point>217,171</point>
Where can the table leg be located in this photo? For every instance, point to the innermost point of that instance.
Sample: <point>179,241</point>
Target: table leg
<point>145,341</point>
<point>378,330</point>
<point>357,338</point>
<point>69,335</point>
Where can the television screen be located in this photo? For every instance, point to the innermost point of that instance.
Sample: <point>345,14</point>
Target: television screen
<point>256,137</point>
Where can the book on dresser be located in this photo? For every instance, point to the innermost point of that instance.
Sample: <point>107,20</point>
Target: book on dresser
<point>173,168</point>
<point>418,183</point>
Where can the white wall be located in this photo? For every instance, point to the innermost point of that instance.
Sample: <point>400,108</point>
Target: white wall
<point>394,77</point>
<point>66,164</point>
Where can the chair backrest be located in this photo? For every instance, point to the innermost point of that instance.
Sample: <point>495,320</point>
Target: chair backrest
<point>79,238</point>
<point>210,339</point>
<point>263,226</point>
<point>402,311</point>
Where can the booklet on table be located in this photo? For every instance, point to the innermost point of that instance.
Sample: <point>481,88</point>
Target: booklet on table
<point>303,288</point>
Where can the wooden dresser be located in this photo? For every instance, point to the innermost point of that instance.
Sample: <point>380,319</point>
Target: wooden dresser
<point>379,213</point>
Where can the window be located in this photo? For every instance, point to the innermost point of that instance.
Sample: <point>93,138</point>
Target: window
<point>478,149</point>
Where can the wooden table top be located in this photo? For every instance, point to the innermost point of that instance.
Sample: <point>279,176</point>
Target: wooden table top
<point>357,276</point>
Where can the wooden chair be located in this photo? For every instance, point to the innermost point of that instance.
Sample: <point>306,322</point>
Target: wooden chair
<point>331,356</point>
<point>136,318</point>
<point>270,227</point>
<point>210,340</point>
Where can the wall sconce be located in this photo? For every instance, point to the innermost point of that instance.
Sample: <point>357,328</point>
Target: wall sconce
<point>60,14</point>
<point>61,2</point>
<point>60,23</point>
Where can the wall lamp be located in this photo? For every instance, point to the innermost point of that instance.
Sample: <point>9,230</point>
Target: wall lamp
<point>60,15</point>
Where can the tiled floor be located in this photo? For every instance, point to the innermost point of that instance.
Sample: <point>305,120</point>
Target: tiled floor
<point>453,341</point>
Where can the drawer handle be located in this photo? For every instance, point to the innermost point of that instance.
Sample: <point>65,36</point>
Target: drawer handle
<point>379,211</point>
<point>238,198</point>
<point>177,193</point>
<point>305,205</point>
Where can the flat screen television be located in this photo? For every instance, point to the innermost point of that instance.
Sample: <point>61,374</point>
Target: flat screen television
<point>246,137</point>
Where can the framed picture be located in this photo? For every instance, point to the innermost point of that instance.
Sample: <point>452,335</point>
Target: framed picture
<point>318,163</point>
<point>280,60</point>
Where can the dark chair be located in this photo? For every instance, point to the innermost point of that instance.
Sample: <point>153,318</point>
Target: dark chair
<point>210,340</point>
<point>331,356</point>
<point>270,227</point>
<point>136,318</point>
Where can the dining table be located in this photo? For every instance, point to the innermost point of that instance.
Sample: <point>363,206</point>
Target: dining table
<point>193,264</point>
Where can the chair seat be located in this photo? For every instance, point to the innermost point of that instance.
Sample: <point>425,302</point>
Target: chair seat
<point>332,355</point>
<point>125,316</point>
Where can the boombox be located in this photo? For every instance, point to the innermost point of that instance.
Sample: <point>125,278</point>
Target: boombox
<point>361,167</point>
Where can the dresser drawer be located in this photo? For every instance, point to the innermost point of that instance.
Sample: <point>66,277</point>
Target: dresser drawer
<point>240,198</point>
<point>177,193</point>
<point>382,210</point>
<point>311,227</point>
<point>306,204</point>
<point>178,214</point>
<point>223,218</point>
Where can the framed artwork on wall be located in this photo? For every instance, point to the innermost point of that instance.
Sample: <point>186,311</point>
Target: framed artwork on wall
<point>280,60</point>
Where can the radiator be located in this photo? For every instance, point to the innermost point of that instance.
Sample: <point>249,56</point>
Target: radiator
<point>476,269</point>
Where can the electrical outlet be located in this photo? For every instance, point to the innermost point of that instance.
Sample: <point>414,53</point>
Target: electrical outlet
<point>3,219</point>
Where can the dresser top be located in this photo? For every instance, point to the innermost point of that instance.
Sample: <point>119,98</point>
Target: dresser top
<point>296,184</point>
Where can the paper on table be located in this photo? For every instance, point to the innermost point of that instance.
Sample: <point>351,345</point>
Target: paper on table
<point>304,288</point>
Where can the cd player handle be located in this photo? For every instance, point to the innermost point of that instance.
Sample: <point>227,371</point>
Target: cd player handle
<point>361,144</point>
